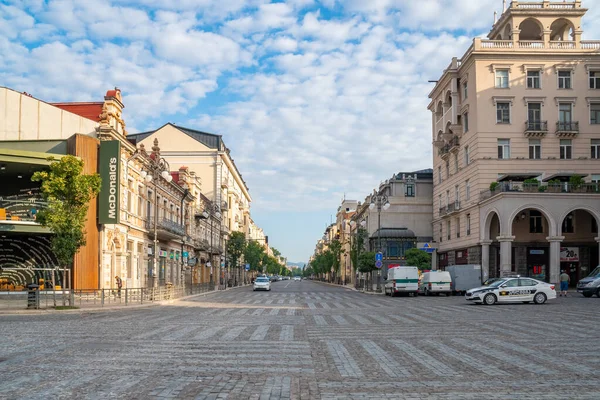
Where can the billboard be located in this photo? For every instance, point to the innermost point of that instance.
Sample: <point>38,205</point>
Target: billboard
<point>569,254</point>
<point>110,172</point>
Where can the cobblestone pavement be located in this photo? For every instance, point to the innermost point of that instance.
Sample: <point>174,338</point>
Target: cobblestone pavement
<point>305,340</point>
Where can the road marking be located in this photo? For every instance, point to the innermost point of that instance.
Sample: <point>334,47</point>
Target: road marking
<point>423,358</point>
<point>260,333</point>
<point>386,363</point>
<point>345,364</point>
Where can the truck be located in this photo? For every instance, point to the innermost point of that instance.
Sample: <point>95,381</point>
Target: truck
<point>465,277</point>
<point>402,280</point>
<point>436,282</point>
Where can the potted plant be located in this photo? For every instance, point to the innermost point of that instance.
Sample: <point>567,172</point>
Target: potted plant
<point>542,189</point>
<point>530,185</point>
<point>493,186</point>
<point>576,183</point>
<point>554,186</point>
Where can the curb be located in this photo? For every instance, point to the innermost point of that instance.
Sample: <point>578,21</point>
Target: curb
<point>50,311</point>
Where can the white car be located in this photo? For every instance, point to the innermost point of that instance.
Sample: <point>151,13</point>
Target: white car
<point>297,278</point>
<point>512,290</point>
<point>262,283</point>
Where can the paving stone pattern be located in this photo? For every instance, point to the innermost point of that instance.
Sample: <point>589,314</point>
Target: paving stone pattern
<point>306,340</point>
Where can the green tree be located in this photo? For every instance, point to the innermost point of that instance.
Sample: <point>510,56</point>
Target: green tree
<point>236,247</point>
<point>358,244</point>
<point>276,253</point>
<point>418,258</point>
<point>366,262</point>
<point>336,250</point>
<point>253,255</point>
<point>68,192</point>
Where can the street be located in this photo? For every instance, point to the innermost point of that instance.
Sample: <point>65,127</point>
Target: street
<point>306,340</point>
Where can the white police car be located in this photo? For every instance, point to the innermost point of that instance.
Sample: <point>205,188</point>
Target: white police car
<point>513,290</point>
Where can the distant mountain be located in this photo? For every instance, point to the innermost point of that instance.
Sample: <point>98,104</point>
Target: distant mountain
<point>296,264</point>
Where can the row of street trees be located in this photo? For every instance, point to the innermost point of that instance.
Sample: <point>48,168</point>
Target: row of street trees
<point>240,250</point>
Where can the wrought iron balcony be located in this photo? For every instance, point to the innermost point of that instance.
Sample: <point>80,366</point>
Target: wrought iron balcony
<point>566,129</point>
<point>166,225</point>
<point>450,208</point>
<point>542,188</point>
<point>536,128</point>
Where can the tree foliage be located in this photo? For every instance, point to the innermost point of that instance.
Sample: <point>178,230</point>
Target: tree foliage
<point>68,192</point>
<point>418,258</point>
<point>336,250</point>
<point>236,247</point>
<point>358,244</point>
<point>366,262</point>
<point>253,255</point>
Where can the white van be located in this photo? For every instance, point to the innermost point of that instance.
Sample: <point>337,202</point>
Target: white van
<point>402,280</point>
<point>436,282</point>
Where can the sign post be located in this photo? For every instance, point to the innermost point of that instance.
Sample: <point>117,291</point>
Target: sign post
<point>379,260</point>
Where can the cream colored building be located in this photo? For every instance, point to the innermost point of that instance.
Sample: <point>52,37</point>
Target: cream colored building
<point>520,108</point>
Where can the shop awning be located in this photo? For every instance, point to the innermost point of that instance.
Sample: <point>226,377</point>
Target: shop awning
<point>26,157</point>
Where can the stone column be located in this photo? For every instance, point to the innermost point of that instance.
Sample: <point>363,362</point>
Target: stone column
<point>505,255</point>
<point>485,258</point>
<point>555,242</point>
<point>597,241</point>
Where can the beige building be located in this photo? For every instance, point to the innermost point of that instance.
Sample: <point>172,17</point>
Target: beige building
<point>516,134</point>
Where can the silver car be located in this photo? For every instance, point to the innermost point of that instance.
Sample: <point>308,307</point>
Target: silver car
<point>262,283</point>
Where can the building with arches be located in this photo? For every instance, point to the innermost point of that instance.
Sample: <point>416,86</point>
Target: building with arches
<point>516,136</point>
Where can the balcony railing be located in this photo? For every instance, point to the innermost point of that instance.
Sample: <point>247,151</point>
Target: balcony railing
<point>568,126</point>
<point>21,207</point>
<point>532,127</point>
<point>533,45</point>
<point>165,225</point>
<point>450,208</point>
<point>542,188</point>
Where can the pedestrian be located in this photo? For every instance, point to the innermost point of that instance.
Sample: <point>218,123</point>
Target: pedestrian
<point>119,285</point>
<point>564,283</point>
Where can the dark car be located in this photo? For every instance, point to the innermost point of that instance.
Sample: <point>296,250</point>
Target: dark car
<point>590,285</point>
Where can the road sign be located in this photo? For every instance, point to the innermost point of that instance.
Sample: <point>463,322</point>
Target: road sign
<point>185,254</point>
<point>247,267</point>
<point>378,264</point>
<point>379,256</point>
<point>428,249</point>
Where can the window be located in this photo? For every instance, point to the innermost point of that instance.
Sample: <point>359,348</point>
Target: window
<point>565,112</point>
<point>441,235</point>
<point>527,282</point>
<point>502,78</point>
<point>467,190</point>
<point>458,227</point>
<point>511,283</point>
<point>440,174</point>
<point>503,149</point>
<point>595,153</point>
<point>447,169</point>
<point>466,122</point>
<point>467,160</point>
<point>566,151</point>
<point>502,113</point>
<point>595,113</point>
<point>535,222</point>
<point>447,197</point>
<point>534,116</point>
<point>456,193</point>
<point>468,224</point>
<point>533,79</point>
<point>567,225</point>
<point>595,179</point>
<point>440,201</point>
<point>594,79</point>
<point>456,163</point>
<point>466,90</point>
<point>564,79</point>
<point>448,229</point>
<point>410,190</point>
<point>535,149</point>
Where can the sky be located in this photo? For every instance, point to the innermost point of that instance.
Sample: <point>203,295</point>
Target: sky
<point>317,99</point>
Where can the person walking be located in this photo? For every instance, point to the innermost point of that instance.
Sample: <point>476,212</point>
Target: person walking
<point>119,285</point>
<point>565,279</point>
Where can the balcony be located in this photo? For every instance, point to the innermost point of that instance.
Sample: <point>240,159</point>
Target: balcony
<point>165,228</point>
<point>454,144</point>
<point>450,209</point>
<point>536,128</point>
<point>567,129</point>
<point>542,188</point>
<point>444,151</point>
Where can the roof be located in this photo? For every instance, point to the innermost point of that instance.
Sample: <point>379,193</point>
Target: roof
<point>420,174</point>
<point>518,177</point>
<point>210,140</point>
<point>563,176</point>
<point>393,233</point>
<point>89,110</point>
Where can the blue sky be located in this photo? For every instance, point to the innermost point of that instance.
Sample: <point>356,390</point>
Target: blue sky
<point>316,99</point>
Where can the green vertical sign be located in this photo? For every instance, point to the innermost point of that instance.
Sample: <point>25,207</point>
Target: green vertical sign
<point>110,172</point>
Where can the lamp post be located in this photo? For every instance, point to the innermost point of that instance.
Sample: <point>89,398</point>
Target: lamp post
<point>379,201</point>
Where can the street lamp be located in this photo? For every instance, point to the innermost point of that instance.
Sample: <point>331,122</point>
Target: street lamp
<point>379,201</point>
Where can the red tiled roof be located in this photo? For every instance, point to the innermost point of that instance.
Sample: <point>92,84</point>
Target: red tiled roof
<point>111,93</point>
<point>86,110</point>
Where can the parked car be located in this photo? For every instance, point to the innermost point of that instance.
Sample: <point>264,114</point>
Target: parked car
<point>262,284</point>
<point>435,282</point>
<point>590,285</point>
<point>402,280</point>
<point>512,290</point>
<point>465,277</point>
<point>297,278</point>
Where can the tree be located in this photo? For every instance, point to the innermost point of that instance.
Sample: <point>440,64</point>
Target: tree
<point>358,245</point>
<point>335,248</point>
<point>236,247</point>
<point>418,258</point>
<point>253,255</point>
<point>68,192</point>
<point>276,253</point>
<point>366,262</point>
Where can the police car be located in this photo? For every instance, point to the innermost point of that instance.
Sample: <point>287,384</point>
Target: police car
<point>512,290</point>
